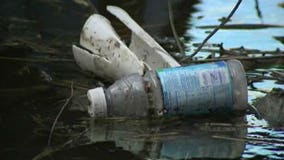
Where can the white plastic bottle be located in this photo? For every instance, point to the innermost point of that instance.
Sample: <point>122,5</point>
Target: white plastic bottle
<point>190,90</point>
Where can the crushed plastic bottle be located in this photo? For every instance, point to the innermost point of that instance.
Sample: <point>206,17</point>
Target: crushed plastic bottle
<point>102,52</point>
<point>190,90</point>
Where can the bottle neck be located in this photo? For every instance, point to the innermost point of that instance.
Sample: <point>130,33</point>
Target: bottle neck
<point>98,104</point>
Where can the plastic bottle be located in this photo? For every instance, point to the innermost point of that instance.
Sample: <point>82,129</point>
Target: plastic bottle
<point>191,90</point>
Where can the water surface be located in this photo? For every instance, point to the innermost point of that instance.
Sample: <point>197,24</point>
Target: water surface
<point>38,68</point>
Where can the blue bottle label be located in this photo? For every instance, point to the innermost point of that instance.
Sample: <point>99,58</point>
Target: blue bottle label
<point>196,89</point>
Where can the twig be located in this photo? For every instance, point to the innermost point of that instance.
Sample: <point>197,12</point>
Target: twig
<point>36,60</point>
<point>93,6</point>
<point>24,89</point>
<point>173,28</point>
<point>240,58</point>
<point>252,139</point>
<point>243,51</point>
<point>249,26</point>
<point>213,32</point>
<point>230,138</point>
<point>253,109</point>
<point>58,115</point>
<point>259,15</point>
<point>49,151</point>
<point>61,83</point>
<point>157,135</point>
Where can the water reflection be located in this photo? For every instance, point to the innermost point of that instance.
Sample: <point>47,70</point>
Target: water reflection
<point>270,143</point>
<point>174,139</point>
<point>29,102</point>
<point>250,13</point>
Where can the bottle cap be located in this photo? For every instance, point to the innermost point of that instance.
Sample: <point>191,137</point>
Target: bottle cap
<point>98,105</point>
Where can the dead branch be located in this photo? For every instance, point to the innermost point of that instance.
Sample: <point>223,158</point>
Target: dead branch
<point>94,9</point>
<point>42,60</point>
<point>238,58</point>
<point>213,32</point>
<point>58,115</point>
<point>252,139</point>
<point>173,28</point>
<point>49,151</point>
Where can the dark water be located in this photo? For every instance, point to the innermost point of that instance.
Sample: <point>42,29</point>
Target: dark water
<point>37,71</point>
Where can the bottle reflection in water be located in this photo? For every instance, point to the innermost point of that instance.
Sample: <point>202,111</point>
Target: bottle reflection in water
<point>173,139</point>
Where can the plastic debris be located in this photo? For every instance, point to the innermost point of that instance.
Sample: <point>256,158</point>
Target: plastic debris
<point>102,52</point>
<point>218,87</point>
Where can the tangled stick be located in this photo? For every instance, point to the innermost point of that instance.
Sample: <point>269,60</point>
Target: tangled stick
<point>213,32</point>
<point>58,115</point>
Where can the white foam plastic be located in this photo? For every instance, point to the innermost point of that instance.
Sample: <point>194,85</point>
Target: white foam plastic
<point>142,44</point>
<point>103,53</point>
